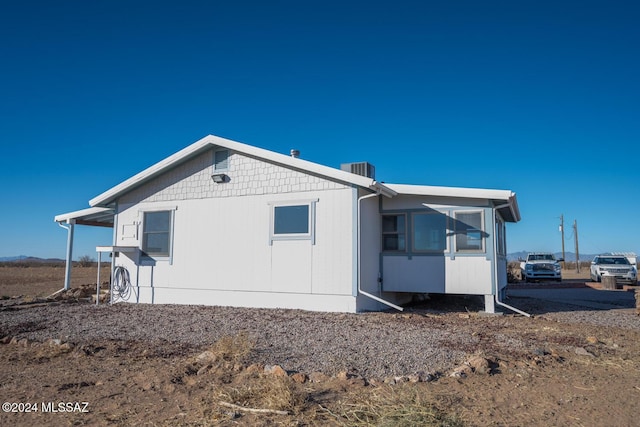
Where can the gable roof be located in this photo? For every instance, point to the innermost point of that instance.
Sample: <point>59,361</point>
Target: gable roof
<point>100,213</point>
<point>210,141</point>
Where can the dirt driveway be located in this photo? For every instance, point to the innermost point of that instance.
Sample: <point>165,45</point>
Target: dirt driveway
<point>585,297</point>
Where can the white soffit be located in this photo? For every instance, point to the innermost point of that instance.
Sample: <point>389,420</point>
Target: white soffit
<point>90,216</point>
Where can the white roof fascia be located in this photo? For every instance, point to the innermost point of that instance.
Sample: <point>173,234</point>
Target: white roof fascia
<point>472,193</point>
<point>461,192</point>
<point>383,189</point>
<point>81,214</point>
<point>211,141</point>
<point>515,209</point>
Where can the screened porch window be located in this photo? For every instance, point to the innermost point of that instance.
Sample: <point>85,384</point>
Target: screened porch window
<point>429,232</point>
<point>469,233</point>
<point>501,237</point>
<point>394,232</point>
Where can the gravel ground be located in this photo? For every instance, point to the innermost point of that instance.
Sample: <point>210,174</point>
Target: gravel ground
<point>375,345</point>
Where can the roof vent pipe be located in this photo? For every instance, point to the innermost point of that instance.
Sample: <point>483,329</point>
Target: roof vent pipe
<point>295,153</point>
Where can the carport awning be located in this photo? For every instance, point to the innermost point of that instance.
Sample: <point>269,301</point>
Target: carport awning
<point>100,217</point>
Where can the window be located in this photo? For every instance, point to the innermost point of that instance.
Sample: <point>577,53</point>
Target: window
<point>468,231</point>
<point>429,232</point>
<point>293,221</point>
<point>393,232</point>
<point>500,237</point>
<point>156,234</point>
<point>220,160</point>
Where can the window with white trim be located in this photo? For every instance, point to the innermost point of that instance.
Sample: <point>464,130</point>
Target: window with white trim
<point>295,221</point>
<point>157,233</point>
<point>394,232</point>
<point>469,231</point>
<point>429,232</point>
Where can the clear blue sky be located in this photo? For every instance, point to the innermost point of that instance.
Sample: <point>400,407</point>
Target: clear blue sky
<point>542,98</point>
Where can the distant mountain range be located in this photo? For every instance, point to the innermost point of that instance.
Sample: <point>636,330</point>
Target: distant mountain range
<point>13,258</point>
<point>25,258</point>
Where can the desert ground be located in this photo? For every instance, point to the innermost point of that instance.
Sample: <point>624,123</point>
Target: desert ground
<point>67,362</point>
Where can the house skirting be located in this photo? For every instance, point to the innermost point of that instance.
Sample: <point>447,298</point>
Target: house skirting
<point>252,299</point>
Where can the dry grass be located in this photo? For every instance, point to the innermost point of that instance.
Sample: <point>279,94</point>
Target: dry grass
<point>234,349</point>
<point>40,280</point>
<point>395,406</point>
<point>253,389</point>
<point>265,392</point>
<point>31,275</point>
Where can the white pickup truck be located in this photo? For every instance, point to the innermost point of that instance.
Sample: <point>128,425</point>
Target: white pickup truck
<point>541,266</point>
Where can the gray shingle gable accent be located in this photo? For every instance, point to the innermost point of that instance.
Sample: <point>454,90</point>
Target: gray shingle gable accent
<point>247,176</point>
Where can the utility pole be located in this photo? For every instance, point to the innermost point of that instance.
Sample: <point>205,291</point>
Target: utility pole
<point>562,232</point>
<point>575,233</point>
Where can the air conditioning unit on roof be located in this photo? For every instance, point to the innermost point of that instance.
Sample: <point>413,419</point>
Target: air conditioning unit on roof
<point>360,168</point>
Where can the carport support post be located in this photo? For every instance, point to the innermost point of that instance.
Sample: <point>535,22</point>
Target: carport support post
<point>98,279</point>
<point>67,274</point>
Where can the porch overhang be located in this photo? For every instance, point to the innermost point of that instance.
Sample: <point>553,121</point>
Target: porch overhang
<point>505,201</point>
<point>98,217</point>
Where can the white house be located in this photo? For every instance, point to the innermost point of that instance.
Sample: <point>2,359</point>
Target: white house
<point>225,223</point>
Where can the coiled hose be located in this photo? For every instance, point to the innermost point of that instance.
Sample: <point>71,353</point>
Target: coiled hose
<point>121,286</point>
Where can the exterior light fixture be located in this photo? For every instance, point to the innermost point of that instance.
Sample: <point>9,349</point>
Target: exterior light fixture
<point>219,178</point>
